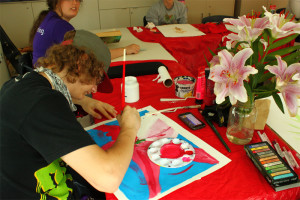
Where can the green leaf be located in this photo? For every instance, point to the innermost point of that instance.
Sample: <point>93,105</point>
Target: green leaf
<point>212,53</point>
<point>266,35</point>
<point>249,92</point>
<point>264,95</point>
<point>284,51</point>
<point>282,41</point>
<point>255,51</point>
<point>278,101</point>
<point>292,58</point>
<point>261,49</point>
<point>237,45</point>
<point>207,62</point>
<point>265,77</point>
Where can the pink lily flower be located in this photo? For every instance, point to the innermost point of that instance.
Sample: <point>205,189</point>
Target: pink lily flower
<point>229,76</point>
<point>287,82</point>
<point>281,25</point>
<point>247,29</point>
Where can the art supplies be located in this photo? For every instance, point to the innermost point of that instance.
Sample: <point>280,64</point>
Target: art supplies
<point>164,77</point>
<point>199,158</point>
<point>275,170</point>
<point>172,109</point>
<point>278,149</point>
<point>110,36</point>
<point>132,91</point>
<point>264,137</point>
<point>175,99</point>
<point>216,132</point>
<point>184,86</point>
<point>287,157</point>
<point>200,86</point>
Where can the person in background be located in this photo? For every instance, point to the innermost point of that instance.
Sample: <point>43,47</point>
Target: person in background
<point>167,12</point>
<point>40,136</point>
<point>52,24</point>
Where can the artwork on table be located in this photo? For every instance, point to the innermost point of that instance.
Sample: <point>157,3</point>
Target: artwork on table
<point>179,30</point>
<point>169,145</point>
<point>287,127</point>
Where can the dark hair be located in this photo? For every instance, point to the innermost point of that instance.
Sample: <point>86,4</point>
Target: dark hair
<point>76,59</point>
<point>51,6</point>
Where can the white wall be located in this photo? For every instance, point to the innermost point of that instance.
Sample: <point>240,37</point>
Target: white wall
<point>17,18</point>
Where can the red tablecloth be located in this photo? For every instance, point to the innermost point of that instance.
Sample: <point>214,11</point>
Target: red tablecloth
<point>238,180</point>
<point>190,52</point>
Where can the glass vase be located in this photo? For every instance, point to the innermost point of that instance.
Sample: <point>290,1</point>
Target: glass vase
<point>241,122</point>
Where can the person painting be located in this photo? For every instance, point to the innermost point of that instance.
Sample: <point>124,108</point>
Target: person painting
<point>52,24</point>
<point>40,136</point>
<point>167,12</point>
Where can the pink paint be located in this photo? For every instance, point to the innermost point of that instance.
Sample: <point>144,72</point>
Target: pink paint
<point>185,82</point>
<point>160,129</point>
<point>150,170</point>
<point>203,157</point>
<point>186,159</point>
<point>171,151</point>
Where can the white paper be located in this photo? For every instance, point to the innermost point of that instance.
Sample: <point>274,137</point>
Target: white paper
<point>146,123</point>
<point>148,50</point>
<point>179,30</point>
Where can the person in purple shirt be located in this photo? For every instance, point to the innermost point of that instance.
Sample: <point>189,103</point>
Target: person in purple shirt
<point>52,24</point>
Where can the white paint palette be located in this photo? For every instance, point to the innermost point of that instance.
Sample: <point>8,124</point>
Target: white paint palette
<point>171,152</point>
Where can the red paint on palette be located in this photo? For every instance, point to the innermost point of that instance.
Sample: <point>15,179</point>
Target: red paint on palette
<point>171,150</point>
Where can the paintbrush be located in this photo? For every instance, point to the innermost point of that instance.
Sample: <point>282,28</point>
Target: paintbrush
<point>175,99</point>
<point>123,80</point>
<point>172,109</point>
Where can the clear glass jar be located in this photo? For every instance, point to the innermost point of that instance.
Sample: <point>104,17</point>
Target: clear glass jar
<point>241,122</point>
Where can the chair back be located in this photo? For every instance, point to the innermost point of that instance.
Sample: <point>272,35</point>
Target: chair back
<point>215,18</point>
<point>4,72</point>
<point>22,63</point>
<point>279,10</point>
<point>145,21</point>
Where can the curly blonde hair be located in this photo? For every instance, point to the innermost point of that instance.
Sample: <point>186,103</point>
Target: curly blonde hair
<point>80,65</point>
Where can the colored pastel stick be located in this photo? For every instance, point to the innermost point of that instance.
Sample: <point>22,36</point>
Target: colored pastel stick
<point>270,161</point>
<point>268,158</point>
<point>280,173</point>
<point>261,147</point>
<point>266,155</point>
<point>261,150</point>
<point>271,164</point>
<point>257,145</point>
<point>275,166</point>
<point>264,152</point>
<point>277,170</point>
<point>283,176</point>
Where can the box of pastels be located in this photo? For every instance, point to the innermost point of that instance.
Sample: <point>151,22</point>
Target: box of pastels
<point>275,170</point>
